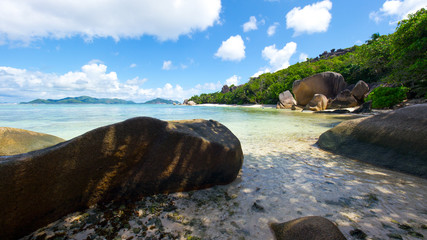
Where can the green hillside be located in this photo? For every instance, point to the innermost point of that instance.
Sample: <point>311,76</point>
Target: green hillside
<point>161,101</point>
<point>79,100</point>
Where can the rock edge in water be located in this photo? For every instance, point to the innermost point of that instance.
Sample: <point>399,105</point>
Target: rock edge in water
<point>134,158</point>
<point>395,140</point>
<point>16,141</point>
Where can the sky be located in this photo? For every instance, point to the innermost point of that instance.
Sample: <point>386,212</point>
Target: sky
<point>143,49</point>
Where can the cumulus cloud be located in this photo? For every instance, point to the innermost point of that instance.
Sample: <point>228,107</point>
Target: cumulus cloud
<point>233,49</point>
<point>233,80</point>
<point>209,86</point>
<point>279,58</point>
<point>167,65</point>
<point>272,29</point>
<point>303,57</point>
<point>26,21</point>
<point>397,10</point>
<point>261,71</point>
<point>310,19</point>
<point>251,25</point>
<point>92,79</point>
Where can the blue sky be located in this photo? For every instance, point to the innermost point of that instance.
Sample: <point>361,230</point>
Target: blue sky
<point>142,49</point>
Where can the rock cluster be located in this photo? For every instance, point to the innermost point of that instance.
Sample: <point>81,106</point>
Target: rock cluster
<point>311,92</point>
<point>137,157</point>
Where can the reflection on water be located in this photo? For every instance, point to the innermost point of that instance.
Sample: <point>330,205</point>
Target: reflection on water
<point>284,176</point>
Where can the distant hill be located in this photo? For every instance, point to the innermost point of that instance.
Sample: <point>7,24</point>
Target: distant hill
<point>81,100</point>
<point>161,101</point>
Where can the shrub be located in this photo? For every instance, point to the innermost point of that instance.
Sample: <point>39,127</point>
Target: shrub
<point>386,97</point>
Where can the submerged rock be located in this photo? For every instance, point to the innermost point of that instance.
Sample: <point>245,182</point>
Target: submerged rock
<point>137,157</point>
<point>395,140</point>
<point>327,83</point>
<point>307,228</point>
<point>16,141</point>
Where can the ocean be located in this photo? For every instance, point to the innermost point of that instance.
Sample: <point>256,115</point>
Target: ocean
<point>284,175</point>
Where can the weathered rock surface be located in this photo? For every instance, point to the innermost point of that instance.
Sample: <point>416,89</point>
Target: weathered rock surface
<point>327,83</point>
<point>360,90</point>
<point>395,140</point>
<point>307,228</point>
<point>191,103</point>
<point>225,89</point>
<point>286,100</point>
<point>344,100</point>
<point>16,141</point>
<point>318,103</point>
<point>140,156</point>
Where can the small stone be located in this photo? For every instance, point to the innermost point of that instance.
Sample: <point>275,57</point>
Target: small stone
<point>257,208</point>
<point>404,227</point>
<point>394,236</point>
<point>358,234</point>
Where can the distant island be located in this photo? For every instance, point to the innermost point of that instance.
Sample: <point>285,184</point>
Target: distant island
<point>161,101</point>
<point>80,100</point>
<point>91,100</point>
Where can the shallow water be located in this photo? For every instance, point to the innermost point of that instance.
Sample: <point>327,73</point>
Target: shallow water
<point>284,176</point>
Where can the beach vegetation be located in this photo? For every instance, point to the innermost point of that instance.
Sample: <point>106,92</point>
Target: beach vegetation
<point>386,97</point>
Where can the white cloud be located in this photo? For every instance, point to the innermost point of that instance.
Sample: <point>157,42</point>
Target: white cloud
<point>397,10</point>
<point>167,65</point>
<point>92,79</point>
<point>233,80</point>
<point>26,21</point>
<point>303,57</point>
<point>279,58</point>
<point>233,49</point>
<point>261,71</point>
<point>133,65</point>
<point>209,86</point>
<point>310,19</point>
<point>272,29</point>
<point>251,25</point>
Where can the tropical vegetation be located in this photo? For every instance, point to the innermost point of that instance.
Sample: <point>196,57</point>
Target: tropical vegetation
<point>399,59</point>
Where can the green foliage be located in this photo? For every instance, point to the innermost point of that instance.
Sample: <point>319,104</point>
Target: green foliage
<point>386,97</point>
<point>399,58</point>
<point>409,53</point>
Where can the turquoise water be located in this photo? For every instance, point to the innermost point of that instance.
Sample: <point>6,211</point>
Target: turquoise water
<point>283,171</point>
<point>68,121</point>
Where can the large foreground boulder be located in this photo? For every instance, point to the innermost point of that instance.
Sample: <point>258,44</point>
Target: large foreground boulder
<point>307,228</point>
<point>137,157</point>
<point>326,83</point>
<point>16,141</point>
<point>395,140</point>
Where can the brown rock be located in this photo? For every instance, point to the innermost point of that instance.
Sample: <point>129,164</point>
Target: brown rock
<point>137,157</point>
<point>307,228</point>
<point>327,83</point>
<point>286,100</point>
<point>16,141</point>
<point>395,140</point>
<point>344,100</point>
<point>360,90</point>
<point>225,89</point>
<point>318,103</point>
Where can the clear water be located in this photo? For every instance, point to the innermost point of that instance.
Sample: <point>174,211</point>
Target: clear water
<point>283,171</point>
